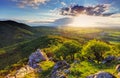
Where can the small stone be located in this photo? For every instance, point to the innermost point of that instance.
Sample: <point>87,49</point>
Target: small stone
<point>117,68</point>
<point>90,76</point>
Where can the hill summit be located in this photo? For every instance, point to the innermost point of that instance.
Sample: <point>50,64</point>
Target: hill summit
<point>12,32</point>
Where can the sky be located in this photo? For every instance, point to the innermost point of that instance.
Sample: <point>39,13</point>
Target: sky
<point>77,13</point>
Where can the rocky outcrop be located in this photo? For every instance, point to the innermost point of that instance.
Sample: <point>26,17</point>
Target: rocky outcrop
<point>60,70</point>
<point>36,57</point>
<point>101,74</point>
<point>108,59</point>
<point>23,71</point>
<point>32,66</point>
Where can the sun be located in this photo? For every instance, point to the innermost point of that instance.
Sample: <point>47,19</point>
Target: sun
<point>84,21</point>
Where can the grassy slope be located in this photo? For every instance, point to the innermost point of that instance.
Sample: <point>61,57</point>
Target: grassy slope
<point>85,68</point>
<point>17,55</point>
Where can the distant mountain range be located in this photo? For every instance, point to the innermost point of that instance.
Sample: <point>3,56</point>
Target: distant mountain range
<point>13,32</point>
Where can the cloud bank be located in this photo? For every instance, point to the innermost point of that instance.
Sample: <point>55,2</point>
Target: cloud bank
<point>31,3</point>
<point>98,10</point>
<point>56,22</point>
<point>81,21</point>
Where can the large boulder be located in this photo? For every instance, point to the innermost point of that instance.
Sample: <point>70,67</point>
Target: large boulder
<point>108,59</point>
<point>36,57</point>
<point>101,74</point>
<point>60,70</point>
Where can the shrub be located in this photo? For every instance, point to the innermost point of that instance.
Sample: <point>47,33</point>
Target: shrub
<point>69,48</point>
<point>94,50</point>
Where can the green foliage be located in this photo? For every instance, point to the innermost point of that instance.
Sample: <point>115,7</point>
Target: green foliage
<point>115,50</point>
<point>46,68</point>
<point>85,68</point>
<point>69,48</point>
<point>94,50</point>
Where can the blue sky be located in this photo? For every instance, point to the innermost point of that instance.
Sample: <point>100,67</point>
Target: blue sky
<point>47,12</point>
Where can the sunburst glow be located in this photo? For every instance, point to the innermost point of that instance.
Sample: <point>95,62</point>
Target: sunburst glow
<point>84,21</point>
<point>92,21</point>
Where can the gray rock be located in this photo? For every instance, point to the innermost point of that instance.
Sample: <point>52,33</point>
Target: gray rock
<point>101,74</point>
<point>108,59</point>
<point>91,76</point>
<point>104,75</point>
<point>60,70</point>
<point>36,57</point>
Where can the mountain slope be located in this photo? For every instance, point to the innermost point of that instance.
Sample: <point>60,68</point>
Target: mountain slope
<point>24,49</point>
<point>13,32</point>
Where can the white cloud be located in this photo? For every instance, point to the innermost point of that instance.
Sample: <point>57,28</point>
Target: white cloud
<point>31,3</point>
<point>63,3</point>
